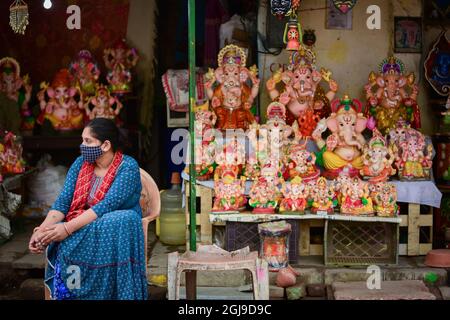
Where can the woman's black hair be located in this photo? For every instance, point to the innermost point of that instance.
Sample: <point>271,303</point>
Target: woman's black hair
<point>105,129</point>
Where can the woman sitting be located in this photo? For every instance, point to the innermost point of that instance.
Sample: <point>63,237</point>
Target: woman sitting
<point>93,234</point>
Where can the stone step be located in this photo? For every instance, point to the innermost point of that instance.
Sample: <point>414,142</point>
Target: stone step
<point>390,290</point>
<point>32,289</point>
<point>30,261</point>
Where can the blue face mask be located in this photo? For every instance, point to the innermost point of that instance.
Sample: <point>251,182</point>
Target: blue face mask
<point>91,154</point>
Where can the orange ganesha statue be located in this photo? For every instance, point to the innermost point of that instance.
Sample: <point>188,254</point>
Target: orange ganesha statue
<point>229,91</point>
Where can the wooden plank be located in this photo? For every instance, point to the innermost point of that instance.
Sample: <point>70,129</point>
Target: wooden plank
<point>425,220</point>
<point>404,222</point>
<point>205,209</point>
<point>424,248</point>
<point>316,249</point>
<point>413,229</point>
<point>304,238</point>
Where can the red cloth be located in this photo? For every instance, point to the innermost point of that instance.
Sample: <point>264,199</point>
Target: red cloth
<point>83,186</point>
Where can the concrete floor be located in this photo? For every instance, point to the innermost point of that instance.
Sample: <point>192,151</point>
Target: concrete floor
<point>17,266</point>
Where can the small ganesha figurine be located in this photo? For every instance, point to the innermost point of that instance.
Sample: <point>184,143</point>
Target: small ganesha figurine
<point>391,102</point>
<point>412,161</point>
<point>103,104</point>
<point>300,163</point>
<point>61,109</point>
<point>385,200</point>
<point>356,198</point>
<point>119,60</point>
<point>229,91</point>
<point>323,197</point>
<point>11,159</point>
<point>18,89</point>
<point>85,72</point>
<point>378,158</point>
<point>295,196</point>
<point>264,195</point>
<point>229,193</point>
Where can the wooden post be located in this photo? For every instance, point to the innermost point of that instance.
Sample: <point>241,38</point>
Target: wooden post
<point>191,285</point>
<point>413,229</point>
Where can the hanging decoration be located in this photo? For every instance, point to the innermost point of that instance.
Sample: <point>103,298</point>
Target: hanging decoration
<point>18,17</point>
<point>344,6</point>
<point>437,66</point>
<point>280,8</point>
<point>293,34</point>
<point>309,37</point>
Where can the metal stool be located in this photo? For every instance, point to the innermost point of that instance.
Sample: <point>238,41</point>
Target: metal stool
<point>213,258</point>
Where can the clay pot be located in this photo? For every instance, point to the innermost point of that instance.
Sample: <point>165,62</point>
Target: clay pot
<point>287,277</point>
<point>438,258</point>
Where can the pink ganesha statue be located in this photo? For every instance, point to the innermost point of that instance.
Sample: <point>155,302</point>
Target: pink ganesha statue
<point>11,159</point>
<point>342,150</point>
<point>103,104</point>
<point>355,198</point>
<point>61,109</point>
<point>18,89</point>
<point>295,196</point>
<point>85,72</point>
<point>229,91</point>
<point>323,196</point>
<point>384,196</point>
<point>412,161</point>
<point>229,193</point>
<point>391,102</point>
<point>264,195</point>
<point>378,158</point>
<point>119,60</point>
<point>298,89</point>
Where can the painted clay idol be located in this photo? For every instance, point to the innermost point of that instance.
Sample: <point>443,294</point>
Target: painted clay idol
<point>356,198</point>
<point>342,149</point>
<point>300,92</point>
<point>264,195</point>
<point>378,158</point>
<point>85,72</point>
<point>385,200</point>
<point>61,109</point>
<point>301,163</point>
<point>295,196</point>
<point>11,159</point>
<point>229,90</point>
<point>18,89</point>
<point>103,104</point>
<point>414,156</point>
<point>119,60</point>
<point>391,102</point>
<point>229,193</point>
<point>323,197</point>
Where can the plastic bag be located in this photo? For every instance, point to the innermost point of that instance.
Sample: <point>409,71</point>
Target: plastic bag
<point>46,185</point>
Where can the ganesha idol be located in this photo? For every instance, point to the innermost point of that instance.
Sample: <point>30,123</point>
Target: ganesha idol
<point>61,108</point>
<point>384,197</point>
<point>85,72</point>
<point>295,196</point>
<point>11,159</point>
<point>395,98</point>
<point>229,193</point>
<point>413,156</point>
<point>298,89</point>
<point>264,195</point>
<point>323,197</point>
<point>232,89</point>
<point>342,150</point>
<point>119,60</point>
<point>205,145</point>
<point>355,197</point>
<point>103,104</point>
<point>18,89</point>
<point>378,159</point>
